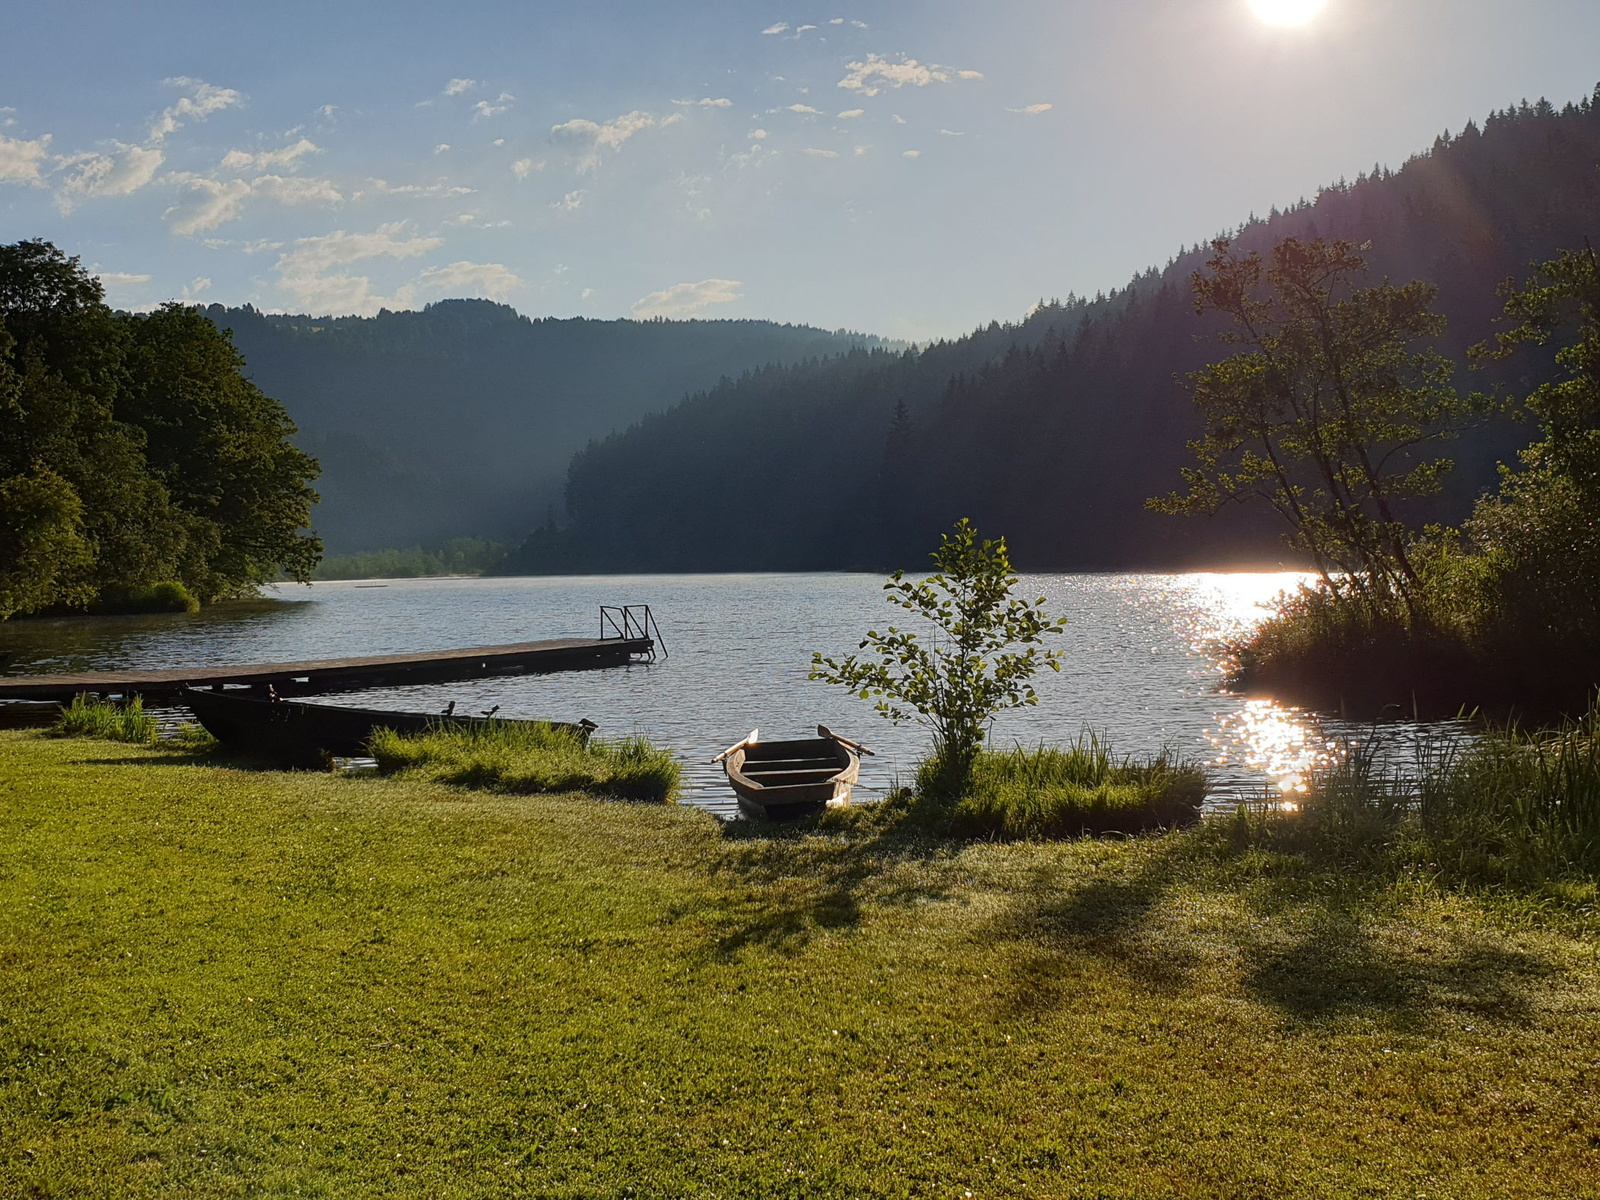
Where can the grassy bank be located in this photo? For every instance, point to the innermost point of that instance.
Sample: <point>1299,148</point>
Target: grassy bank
<point>218,982</point>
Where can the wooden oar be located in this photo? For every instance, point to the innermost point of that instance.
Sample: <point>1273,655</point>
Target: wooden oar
<point>755,736</point>
<point>824,731</point>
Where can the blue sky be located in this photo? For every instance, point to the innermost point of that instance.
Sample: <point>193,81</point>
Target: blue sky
<point>905,168</point>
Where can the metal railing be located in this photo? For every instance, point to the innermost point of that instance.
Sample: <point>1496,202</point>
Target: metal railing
<point>632,621</point>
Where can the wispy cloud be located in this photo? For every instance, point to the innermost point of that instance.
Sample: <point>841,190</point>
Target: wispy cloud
<point>595,136</point>
<point>208,203</point>
<point>686,299</point>
<point>571,202</point>
<point>1032,110</point>
<point>877,73</point>
<point>706,102</point>
<point>203,100</point>
<point>805,108</point>
<point>778,27</point>
<point>487,108</point>
<point>493,280</point>
<point>818,153</point>
<point>524,167</point>
<point>288,156</point>
<point>456,86</point>
<point>851,114</point>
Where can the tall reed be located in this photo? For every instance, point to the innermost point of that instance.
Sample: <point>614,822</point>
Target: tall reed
<point>92,718</point>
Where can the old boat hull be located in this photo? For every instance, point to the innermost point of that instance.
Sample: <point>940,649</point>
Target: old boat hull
<point>783,781</point>
<point>295,731</point>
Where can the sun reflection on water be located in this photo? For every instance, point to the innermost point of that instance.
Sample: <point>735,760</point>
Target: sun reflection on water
<point>1282,744</point>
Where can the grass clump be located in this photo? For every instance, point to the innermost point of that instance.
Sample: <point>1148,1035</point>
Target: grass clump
<point>1515,807</point>
<point>1056,792</point>
<point>532,758</point>
<point>91,718</point>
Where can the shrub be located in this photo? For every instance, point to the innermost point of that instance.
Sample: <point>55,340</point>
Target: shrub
<point>532,758</point>
<point>167,596</point>
<point>91,718</point>
<point>1051,792</point>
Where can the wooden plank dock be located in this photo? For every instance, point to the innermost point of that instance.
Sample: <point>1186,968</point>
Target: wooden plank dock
<point>342,674</point>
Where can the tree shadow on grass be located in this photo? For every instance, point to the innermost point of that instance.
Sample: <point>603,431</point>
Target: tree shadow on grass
<point>1058,918</point>
<point>1313,944</point>
<point>794,882</point>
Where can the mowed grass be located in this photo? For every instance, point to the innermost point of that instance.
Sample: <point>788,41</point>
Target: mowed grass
<point>220,982</point>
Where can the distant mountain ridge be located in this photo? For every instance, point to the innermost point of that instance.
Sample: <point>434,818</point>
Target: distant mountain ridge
<point>460,418</point>
<point>1055,430</point>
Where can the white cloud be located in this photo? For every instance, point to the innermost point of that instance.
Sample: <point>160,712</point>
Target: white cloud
<point>952,133</point>
<point>586,293</point>
<point>485,108</point>
<point>705,102</point>
<point>243,160</point>
<point>19,160</point>
<point>195,286</point>
<point>851,114</point>
<point>805,108</point>
<point>1032,110</point>
<point>837,21</point>
<point>911,154</point>
<point>120,173</point>
<point>803,29</point>
<point>306,272</point>
<point>120,279</point>
<point>898,119</point>
<point>780,27</point>
<point>523,167</point>
<point>441,148</point>
<point>686,299</point>
<point>816,153</point>
<point>876,73</point>
<point>860,150</point>
<point>493,280</point>
<point>200,104</point>
<point>571,202</point>
<point>327,111</point>
<point>596,136</point>
<point>456,86</point>
<point>757,134</point>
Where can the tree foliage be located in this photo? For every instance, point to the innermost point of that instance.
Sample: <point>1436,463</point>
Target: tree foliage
<point>133,451</point>
<point>1327,412</point>
<point>966,673</point>
<point>1541,533</point>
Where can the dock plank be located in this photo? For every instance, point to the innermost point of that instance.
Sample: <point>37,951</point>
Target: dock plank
<point>341,674</point>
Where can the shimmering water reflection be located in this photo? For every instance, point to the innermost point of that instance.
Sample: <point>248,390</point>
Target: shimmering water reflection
<point>1143,659</point>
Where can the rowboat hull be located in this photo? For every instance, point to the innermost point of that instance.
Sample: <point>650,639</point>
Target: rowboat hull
<point>784,781</point>
<point>298,732</point>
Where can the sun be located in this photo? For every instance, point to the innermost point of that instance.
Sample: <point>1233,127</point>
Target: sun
<point>1287,12</point>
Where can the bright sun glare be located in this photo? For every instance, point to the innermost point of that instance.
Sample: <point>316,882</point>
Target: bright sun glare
<point>1287,12</point>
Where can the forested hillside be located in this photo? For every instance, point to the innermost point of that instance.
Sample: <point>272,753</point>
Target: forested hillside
<point>460,419</point>
<point>1056,430</point>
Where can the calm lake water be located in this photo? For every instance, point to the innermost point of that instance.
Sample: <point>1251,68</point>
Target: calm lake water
<point>1141,666</point>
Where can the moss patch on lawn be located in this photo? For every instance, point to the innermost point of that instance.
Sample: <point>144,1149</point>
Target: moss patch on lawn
<point>221,982</point>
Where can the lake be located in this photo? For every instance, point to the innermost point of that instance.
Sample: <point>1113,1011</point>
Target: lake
<point>1142,662</point>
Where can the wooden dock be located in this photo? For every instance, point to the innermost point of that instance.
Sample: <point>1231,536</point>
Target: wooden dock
<point>342,674</point>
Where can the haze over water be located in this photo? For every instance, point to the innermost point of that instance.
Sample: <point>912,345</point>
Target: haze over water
<point>1142,662</point>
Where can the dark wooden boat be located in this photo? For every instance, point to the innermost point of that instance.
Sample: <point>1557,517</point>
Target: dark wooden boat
<point>782,781</point>
<point>295,731</point>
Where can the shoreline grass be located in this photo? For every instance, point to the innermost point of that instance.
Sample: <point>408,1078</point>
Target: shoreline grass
<point>529,759</point>
<point>221,982</point>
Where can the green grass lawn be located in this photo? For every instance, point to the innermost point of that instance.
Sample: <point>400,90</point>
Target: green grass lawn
<point>222,982</point>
